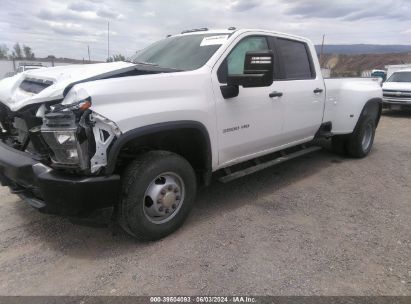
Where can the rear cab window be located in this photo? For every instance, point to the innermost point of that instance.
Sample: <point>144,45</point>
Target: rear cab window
<point>296,60</point>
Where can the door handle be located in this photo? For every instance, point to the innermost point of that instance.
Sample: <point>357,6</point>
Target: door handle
<point>318,91</point>
<point>275,94</point>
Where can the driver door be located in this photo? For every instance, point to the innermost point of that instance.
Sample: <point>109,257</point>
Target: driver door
<point>250,124</point>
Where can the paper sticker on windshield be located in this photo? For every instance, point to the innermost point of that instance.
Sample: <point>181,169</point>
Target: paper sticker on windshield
<point>213,40</point>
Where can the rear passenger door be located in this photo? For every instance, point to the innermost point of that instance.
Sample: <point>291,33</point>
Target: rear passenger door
<point>303,90</point>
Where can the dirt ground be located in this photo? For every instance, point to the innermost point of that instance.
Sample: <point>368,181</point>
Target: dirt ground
<point>318,225</point>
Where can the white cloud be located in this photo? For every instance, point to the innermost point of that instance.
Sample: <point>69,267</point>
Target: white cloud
<point>242,5</point>
<point>81,6</point>
<point>149,14</point>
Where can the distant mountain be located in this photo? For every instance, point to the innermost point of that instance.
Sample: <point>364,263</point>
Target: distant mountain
<point>354,49</point>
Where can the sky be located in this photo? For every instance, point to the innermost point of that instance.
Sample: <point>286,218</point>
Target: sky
<point>65,28</point>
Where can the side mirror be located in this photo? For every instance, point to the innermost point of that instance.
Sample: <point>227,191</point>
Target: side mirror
<point>258,71</point>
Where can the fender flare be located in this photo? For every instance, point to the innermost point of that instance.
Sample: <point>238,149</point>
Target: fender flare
<point>377,101</point>
<point>155,128</point>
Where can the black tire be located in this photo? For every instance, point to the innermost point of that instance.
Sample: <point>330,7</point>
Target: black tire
<point>137,178</point>
<point>354,145</point>
<point>339,144</point>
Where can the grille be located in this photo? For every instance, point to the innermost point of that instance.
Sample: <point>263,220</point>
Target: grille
<point>21,130</point>
<point>397,94</point>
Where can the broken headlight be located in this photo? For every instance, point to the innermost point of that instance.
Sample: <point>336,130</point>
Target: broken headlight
<point>61,134</point>
<point>79,139</point>
<point>63,144</point>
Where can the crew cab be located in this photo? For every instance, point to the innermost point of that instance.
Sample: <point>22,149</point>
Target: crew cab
<point>397,91</point>
<point>141,136</point>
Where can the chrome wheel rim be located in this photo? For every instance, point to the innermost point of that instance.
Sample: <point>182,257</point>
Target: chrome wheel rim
<point>163,198</point>
<point>367,136</point>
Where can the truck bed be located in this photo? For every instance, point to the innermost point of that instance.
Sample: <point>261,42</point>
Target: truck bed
<point>340,94</point>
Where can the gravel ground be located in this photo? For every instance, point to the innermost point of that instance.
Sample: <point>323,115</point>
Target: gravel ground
<point>318,225</point>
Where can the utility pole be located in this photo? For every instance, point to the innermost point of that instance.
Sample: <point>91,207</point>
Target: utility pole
<point>88,50</point>
<point>322,50</point>
<point>108,40</point>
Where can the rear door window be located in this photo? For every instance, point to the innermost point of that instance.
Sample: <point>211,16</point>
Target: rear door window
<point>296,59</point>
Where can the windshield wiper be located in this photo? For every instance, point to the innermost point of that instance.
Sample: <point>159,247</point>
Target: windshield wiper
<point>154,65</point>
<point>145,63</point>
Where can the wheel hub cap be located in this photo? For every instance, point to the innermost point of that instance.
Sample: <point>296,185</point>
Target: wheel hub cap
<point>169,199</point>
<point>163,198</point>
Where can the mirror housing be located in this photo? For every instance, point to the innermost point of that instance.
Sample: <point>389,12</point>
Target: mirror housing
<point>229,91</point>
<point>258,71</point>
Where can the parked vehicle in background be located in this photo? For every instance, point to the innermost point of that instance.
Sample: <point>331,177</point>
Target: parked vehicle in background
<point>24,66</point>
<point>397,91</point>
<point>391,69</point>
<point>379,74</point>
<point>141,136</point>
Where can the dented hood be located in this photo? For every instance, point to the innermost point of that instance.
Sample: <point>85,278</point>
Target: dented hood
<point>54,82</point>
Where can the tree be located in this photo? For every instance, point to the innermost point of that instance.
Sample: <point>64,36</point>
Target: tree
<point>17,53</point>
<point>28,54</point>
<point>3,51</point>
<point>118,57</point>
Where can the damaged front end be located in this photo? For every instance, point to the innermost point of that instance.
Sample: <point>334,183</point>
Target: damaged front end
<point>66,135</point>
<point>53,156</point>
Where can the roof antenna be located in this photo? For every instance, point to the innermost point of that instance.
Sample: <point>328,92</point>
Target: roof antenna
<point>322,50</point>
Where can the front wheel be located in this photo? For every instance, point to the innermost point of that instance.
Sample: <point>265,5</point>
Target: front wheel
<point>159,189</point>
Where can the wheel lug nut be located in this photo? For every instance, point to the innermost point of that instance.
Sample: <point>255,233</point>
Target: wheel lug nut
<point>174,206</point>
<point>167,210</point>
<point>178,197</point>
<point>161,209</point>
<point>163,191</point>
<point>175,190</point>
<point>170,188</point>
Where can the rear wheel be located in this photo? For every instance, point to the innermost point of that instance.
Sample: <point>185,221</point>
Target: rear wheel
<point>159,189</point>
<point>360,142</point>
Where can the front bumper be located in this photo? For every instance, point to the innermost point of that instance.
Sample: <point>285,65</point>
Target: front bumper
<point>389,102</point>
<point>52,191</point>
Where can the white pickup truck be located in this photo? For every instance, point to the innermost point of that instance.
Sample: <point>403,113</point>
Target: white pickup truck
<point>141,136</point>
<point>397,90</point>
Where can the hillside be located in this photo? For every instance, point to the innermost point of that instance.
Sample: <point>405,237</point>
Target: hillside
<point>354,65</point>
<point>353,49</point>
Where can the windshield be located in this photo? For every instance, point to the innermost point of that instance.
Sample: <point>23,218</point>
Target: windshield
<point>400,77</point>
<point>185,53</point>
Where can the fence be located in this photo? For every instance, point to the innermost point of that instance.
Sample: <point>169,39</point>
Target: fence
<point>7,66</point>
